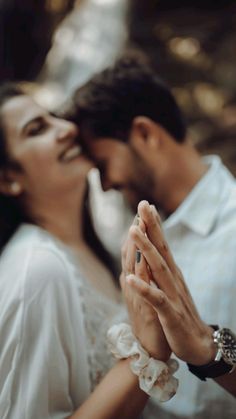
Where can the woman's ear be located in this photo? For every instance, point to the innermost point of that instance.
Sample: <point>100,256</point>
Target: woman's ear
<point>8,185</point>
<point>144,134</point>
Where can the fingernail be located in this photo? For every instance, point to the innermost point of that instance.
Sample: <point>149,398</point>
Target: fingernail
<point>153,208</point>
<point>131,279</point>
<point>138,256</point>
<point>155,212</point>
<point>136,220</point>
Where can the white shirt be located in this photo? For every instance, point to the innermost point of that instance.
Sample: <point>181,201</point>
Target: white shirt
<point>53,328</point>
<point>202,236</point>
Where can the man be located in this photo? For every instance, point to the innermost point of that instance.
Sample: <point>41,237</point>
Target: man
<point>133,129</point>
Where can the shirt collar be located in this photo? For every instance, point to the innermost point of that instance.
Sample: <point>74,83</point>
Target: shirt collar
<point>200,209</point>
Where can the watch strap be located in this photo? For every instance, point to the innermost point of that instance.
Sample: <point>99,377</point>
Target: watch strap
<point>211,370</point>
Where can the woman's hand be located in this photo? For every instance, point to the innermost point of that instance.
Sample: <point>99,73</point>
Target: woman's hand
<point>188,336</point>
<point>143,317</point>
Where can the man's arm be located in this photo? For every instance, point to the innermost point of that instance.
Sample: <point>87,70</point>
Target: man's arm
<point>188,336</point>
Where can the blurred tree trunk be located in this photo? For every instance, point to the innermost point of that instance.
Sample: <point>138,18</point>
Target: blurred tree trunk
<point>26,29</point>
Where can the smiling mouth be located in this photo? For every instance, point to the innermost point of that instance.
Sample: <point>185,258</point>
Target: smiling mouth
<point>71,153</point>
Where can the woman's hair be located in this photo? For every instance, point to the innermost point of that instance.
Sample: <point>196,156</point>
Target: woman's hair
<point>11,213</point>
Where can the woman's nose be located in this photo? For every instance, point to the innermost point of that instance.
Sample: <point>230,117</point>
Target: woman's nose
<point>67,130</point>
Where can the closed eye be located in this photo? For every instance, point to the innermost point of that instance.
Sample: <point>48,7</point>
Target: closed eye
<point>36,127</point>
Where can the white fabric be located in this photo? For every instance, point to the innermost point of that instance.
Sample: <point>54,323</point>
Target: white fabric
<point>202,236</point>
<point>155,377</point>
<point>52,329</point>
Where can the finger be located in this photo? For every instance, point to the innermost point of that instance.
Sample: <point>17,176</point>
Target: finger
<point>158,267</point>
<point>129,252</point>
<point>123,254</point>
<point>168,316</point>
<point>141,267</point>
<point>153,296</point>
<point>151,218</point>
<point>122,280</point>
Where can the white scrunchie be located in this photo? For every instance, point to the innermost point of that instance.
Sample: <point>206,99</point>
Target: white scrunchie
<point>155,377</point>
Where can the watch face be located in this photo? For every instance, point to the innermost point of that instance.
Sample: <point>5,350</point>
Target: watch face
<point>227,342</point>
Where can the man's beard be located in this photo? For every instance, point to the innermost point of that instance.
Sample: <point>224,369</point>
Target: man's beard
<point>144,189</point>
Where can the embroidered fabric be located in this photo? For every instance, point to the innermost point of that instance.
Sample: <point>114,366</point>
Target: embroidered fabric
<point>97,322</point>
<point>99,314</point>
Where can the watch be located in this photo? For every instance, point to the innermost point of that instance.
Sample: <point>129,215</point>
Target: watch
<point>225,359</point>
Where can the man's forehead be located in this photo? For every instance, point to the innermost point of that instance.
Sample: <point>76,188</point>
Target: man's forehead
<point>107,148</point>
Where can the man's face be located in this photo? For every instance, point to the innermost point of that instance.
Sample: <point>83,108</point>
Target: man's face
<point>122,168</point>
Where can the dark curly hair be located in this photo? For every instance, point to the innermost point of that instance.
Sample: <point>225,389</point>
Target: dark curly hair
<point>106,105</point>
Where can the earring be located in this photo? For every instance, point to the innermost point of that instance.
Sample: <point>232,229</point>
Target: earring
<point>15,188</point>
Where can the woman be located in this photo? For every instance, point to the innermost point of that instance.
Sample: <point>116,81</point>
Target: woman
<point>57,299</point>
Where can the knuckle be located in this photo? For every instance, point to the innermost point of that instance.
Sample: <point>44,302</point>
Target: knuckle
<point>161,298</point>
<point>163,267</point>
<point>133,232</point>
<point>146,246</point>
<point>164,247</point>
<point>159,269</point>
<point>145,291</point>
<point>129,267</point>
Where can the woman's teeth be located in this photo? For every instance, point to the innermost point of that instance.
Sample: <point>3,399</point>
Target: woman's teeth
<point>70,154</point>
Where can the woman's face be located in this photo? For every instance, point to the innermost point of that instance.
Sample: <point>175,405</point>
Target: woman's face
<point>45,148</point>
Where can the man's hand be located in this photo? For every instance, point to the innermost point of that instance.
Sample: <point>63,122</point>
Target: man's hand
<point>143,317</point>
<point>187,335</point>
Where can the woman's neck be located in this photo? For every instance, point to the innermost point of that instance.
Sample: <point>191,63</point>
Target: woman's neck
<point>63,218</point>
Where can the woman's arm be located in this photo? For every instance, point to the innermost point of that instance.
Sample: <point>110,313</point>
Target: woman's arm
<point>50,368</point>
<point>117,396</point>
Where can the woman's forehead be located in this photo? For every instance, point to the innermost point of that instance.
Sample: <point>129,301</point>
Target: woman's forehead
<point>17,112</point>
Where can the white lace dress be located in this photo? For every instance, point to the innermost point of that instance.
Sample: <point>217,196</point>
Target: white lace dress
<point>53,326</point>
<point>97,321</point>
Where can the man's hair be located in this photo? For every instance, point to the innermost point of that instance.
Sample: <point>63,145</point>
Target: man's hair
<point>107,103</point>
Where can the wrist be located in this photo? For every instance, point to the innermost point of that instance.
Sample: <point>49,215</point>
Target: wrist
<point>225,359</point>
<point>205,351</point>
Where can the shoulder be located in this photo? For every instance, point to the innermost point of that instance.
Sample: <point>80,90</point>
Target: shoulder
<point>49,274</point>
<point>33,262</point>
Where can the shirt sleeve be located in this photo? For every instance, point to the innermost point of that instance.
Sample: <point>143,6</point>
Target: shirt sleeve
<point>48,366</point>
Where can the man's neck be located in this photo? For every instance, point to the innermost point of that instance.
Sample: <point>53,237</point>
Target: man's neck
<point>186,170</point>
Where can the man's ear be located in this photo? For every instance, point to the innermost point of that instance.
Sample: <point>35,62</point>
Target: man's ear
<point>144,134</point>
<point>8,184</point>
